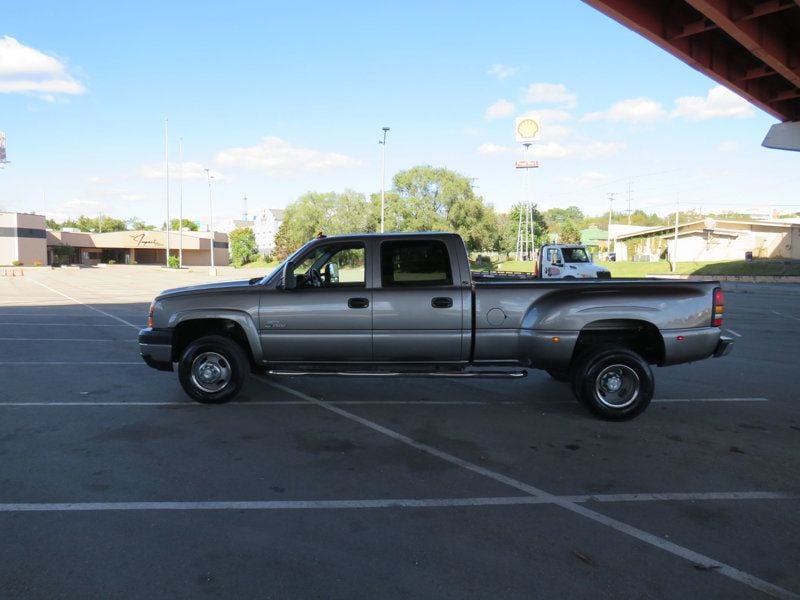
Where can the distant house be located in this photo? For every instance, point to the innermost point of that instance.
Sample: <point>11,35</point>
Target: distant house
<point>265,226</point>
<point>714,240</point>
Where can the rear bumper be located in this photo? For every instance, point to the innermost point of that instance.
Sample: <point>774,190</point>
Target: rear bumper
<point>724,347</point>
<point>155,346</point>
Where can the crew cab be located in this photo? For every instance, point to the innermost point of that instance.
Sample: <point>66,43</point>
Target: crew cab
<point>408,303</point>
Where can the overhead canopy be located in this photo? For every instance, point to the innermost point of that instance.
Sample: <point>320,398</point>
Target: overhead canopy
<point>749,46</point>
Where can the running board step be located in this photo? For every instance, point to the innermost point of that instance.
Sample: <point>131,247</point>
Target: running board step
<point>473,374</point>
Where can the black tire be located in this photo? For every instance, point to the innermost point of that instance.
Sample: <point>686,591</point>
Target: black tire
<point>613,382</point>
<point>558,375</point>
<point>213,369</point>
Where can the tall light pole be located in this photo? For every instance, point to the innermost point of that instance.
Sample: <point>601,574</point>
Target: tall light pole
<point>383,177</point>
<point>213,271</point>
<point>166,164</point>
<point>180,206</point>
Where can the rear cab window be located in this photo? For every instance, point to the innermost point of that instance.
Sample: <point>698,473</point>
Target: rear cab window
<point>407,263</point>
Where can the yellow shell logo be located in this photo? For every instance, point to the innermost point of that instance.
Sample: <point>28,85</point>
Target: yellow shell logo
<point>528,128</point>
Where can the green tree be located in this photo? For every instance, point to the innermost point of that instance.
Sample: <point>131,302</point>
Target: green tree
<point>136,224</point>
<point>329,213</point>
<point>540,228</point>
<point>185,223</point>
<point>556,217</point>
<point>569,234</point>
<point>430,199</point>
<point>283,245</point>
<point>243,245</point>
<point>99,224</point>
<point>52,224</point>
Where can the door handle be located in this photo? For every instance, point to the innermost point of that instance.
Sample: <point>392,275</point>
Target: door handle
<point>358,303</point>
<point>442,303</point>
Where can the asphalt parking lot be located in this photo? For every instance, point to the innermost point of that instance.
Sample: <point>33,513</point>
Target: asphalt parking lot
<point>115,485</point>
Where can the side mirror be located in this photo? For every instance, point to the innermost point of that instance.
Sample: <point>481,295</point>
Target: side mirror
<point>331,273</point>
<point>289,280</point>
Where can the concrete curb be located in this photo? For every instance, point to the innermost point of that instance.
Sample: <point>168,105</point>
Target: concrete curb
<point>735,278</point>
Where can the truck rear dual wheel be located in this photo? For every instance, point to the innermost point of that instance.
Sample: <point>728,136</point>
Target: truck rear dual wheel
<point>213,369</point>
<point>613,382</point>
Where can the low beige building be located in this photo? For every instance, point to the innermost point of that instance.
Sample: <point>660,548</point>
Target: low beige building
<point>23,238</point>
<point>713,240</point>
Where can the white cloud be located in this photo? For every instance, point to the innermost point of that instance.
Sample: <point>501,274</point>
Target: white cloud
<point>492,149</point>
<point>587,179</point>
<point>728,146</point>
<point>720,102</point>
<point>185,171</point>
<point>551,93</point>
<point>634,110</point>
<point>598,149</point>
<point>549,150</point>
<point>500,109</point>
<point>471,131</point>
<point>27,70</point>
<point>501,71</point>
<point>80,204</point>
<point>279,157</point>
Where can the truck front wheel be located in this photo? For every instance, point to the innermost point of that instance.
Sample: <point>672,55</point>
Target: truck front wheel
<point>613,382</point>
<point>213,369</point>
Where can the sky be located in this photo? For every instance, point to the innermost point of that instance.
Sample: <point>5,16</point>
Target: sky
<point>276,99</point>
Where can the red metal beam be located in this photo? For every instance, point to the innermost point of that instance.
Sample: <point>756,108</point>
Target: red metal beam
<point>745,54</point>
<point>763,42</point>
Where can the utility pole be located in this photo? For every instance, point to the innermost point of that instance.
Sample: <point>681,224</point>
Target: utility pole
<point>180,206</point>
<point>629,203</point>
<point>213,270</point>
<point>166,164</point>
<point>610,212</point>
<point>675,242</point>
<point>383,176</point>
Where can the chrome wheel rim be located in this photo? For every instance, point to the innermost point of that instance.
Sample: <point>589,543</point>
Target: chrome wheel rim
<point>211,372</point>
<point>617,386</point>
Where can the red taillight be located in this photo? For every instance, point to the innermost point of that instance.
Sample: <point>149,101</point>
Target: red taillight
<point>718,308</point>
<point>150,315</point>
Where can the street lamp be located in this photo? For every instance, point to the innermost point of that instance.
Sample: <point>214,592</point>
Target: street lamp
<point>383,177</point>
<point>213,271</point>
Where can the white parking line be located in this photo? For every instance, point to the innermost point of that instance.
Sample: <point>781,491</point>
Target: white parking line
<point>89,306</point>
<point>775,312</point>
<point>361,504</point>
<point>67,324</point>
<point>711,400</point>
<point>13,339</point>
<point>732,332</point>
<point>64,362</point>
<point>701,560</point>
<point>190,404</point>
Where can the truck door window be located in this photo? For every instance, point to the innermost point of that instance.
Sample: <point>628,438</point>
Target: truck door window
<point>332,266</point>
<point>575,255</point>
<point>414,263</point>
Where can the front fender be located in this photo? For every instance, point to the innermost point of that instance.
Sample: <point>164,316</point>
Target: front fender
<point>241,318</point>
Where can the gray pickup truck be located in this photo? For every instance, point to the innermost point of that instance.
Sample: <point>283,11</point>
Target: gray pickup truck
<point>383,304</point>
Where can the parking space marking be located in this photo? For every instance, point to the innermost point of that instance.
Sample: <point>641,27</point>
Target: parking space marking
<point>15,339</point>
<point>352,504</point>
<point>711,400</point>
<point>775,312</point>
<point>74,362</point>
<point>65,324</point>
<point>696,558</point>
<point>89,306</point>
<point>731,331</point>
<point>189,404</point>
<point>682,496</point>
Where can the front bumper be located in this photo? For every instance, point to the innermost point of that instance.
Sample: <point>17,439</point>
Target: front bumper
<point>155,346</point>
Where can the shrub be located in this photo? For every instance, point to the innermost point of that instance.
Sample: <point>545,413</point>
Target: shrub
<point>37,263</point>
<point>173,262</point>
<point>112,262</point>
<point>17,263</point>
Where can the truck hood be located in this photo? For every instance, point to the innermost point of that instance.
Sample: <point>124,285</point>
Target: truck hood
<point>204,288</point>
